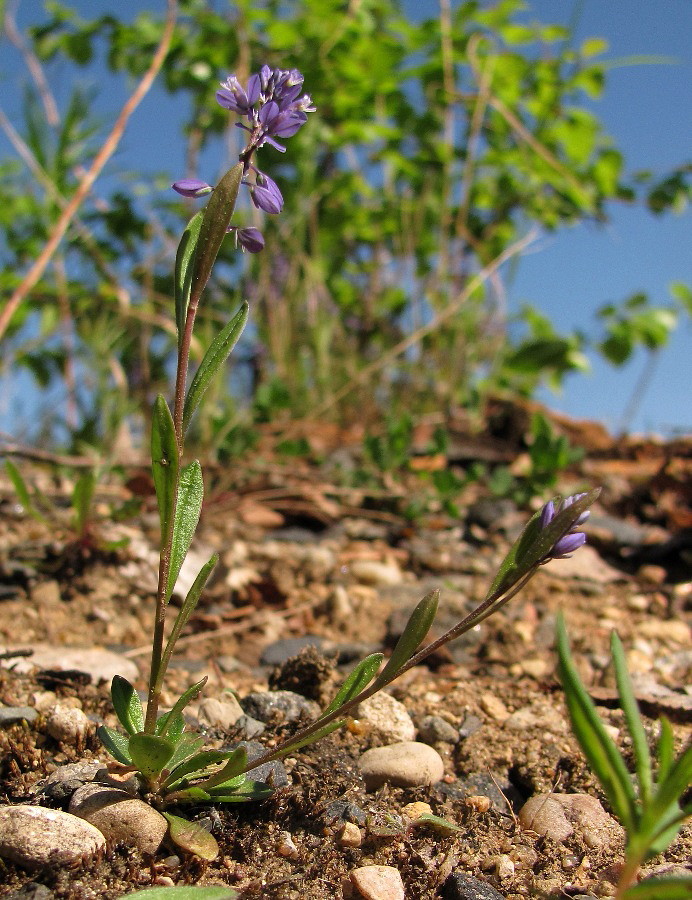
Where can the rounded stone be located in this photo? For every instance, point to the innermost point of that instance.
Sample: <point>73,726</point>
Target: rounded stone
<point>220,713</point>
<point>434,728</point>
<point>557,816</point>
<point>389,718</point>
<point>121,818</point>
<point>378,883</point>
<point>36,838</point>
<point>406,764</point>
<point>67,724</point>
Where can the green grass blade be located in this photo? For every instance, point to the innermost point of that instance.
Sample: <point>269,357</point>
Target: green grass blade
<point>311,739</point>
<point>183,269</point>
<point>164,461</point>
<point>664,750</point>
<point>185,747</point>
<point>82,495</point>
<point>357,681</point>
<point>127,705</point>
<point>187,511</point>
<point>595,742</point>
<point>415,631</point>
<point>21,489</point>
<point>186,892</point>
<point>216,219</point>
<point>214,358</point>
<point>661,889</point>
<point>640,746</point>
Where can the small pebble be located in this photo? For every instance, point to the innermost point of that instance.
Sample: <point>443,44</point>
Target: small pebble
<point>378,883</point>
<point>504,867</point>
<point>99,663</point>
<point>377,574</point>
<point>250,728</point>
<point>432,729</point>
<point>122,819</point>
<point>12,715</point>
<point>349,835</point>
<point>417,809</point>
<point>385,715</point>
<point>35,837</point>
<point>287,847</point>
<point>282,706</point>
<point>68,725</point>
<point>557,816</point>
<point>61,784</point>
<point>494,707</point>
<point>406,764</point>
<point>221,714</point>
<point>465,887</point>
<point>469,726</point>
<point>31,891</point>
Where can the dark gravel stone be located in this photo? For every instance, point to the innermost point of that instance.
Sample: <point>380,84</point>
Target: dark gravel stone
<point>11,715</point>
<point>250,727</point>
<point>61,784</point>
<point>279,706</point>
<point>271,773</point>
<point>339,811</point>
<point>31,892</point>
<point>469,726</point>
<point>466,887</point>
<point>434,728</point>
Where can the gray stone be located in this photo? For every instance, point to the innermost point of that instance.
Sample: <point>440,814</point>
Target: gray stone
<point>61,784</point>
<point>434,728</point>
<point>406,764</point>
<point>279,706</point>
<point>387,717</point>
<point>31,891</point>
<point>250,727</point>
<point>339,811</point>
<point>99,663</point>
<point>121,818</point>
<point>557,816</point>
<point>469,726</point>
<point>36,838</point>
<point>271,773</point>
<point>12,715</point>
<point>500,792</point>
<point>465,887</point>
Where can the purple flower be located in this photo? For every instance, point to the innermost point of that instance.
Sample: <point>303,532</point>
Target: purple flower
<point>192,187</point>
<point>573,540</point>
<point>234,97</point>
<point>250,239</point>
<point>265,194</point>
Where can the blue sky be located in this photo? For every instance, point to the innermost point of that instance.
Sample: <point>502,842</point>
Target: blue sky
<point>646,109</point>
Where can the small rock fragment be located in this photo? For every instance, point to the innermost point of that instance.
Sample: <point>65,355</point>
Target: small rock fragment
<point>284,706</point>
<point>35,837</point>
<point>122,819</point>
<point>12,715</point>
<point>369,571</point>
<point>387,716</point>
<point>68,725</point>
<point>557,816</point>
<point>221,714</point>
<point>417,809</point>
<point>465,887</point>
<point>99,663</point>
<point>349,835</point>
<point>405,764</point>
<point>62,783</point>
<point>432,729</point>
<point>287,847</point>
<point>494,707</point>
<point>378,883</point>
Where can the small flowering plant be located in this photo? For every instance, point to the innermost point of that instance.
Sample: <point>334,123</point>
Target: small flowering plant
<point>172,765</point>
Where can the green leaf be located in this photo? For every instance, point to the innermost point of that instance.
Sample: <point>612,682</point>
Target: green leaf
<point>594,740</point>
<point>310,739</point>
<point>664,750</point>
<point>116,744</point>
<point>186,892</point>
<point>661,889</point>
<point>21,490</point>
<point>216,219</point>
<point>358,680</point>
<point>214,358</point>
<point>174,726</point>
<point>415,631</point>
<point>187,511</point>
<point>189,795</point>
<point>190,694</point>
<point>196,765</point>
<point>436,822</point>
<point>535,543</point>
<point>82,496</point>
<point>248,790</point>
<point>191,837</point>
<point>150,753</point>
<point>186,611</point>
<point>164,462</point>
<point>184,268</point>
<point>127,705</point>
<point>186,746</point>
<point>640,746</point>
<point>235,765</point>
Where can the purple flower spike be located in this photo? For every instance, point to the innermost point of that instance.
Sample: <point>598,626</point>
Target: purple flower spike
<point>233,95</point>
<point>566,546</point>
<point>266,195</point>
<point>192,187</point>
<point>251,239</point>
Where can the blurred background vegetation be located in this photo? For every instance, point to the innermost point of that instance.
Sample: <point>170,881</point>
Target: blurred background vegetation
<point>440,151</point>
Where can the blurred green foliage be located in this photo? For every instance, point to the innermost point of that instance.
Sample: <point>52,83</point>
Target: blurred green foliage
<point>437,145</point>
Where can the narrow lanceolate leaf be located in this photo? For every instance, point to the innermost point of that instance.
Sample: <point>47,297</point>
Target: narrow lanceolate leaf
<point>150,753</point>
<point>214,358</point>
<point>661,889</point>
<point>216,219</point>
<point>183,269</point>
<point>116,744</point>
<point>164,461</point>
<point>127,705</point>
<point>196,766</point>
<point>21,490</point>
<point>416,629</point>
<point>190,694</point>
<point>535,543</point>
<point>248,790</point>
<point>187,510</point>
<point>186,611</point>
<point>664,750</point>
<point>190,836</point>
<point>595,742</point>
<point>640,745</point>
<point>186,892</point>
<point>235,765</point>
<point>185,747</point>
<point>310,739</point>
<point>357,681</point>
